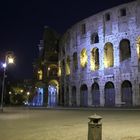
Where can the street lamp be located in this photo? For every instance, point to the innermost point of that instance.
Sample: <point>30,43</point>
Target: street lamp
<point>28,94</point>
<point>9,59</point>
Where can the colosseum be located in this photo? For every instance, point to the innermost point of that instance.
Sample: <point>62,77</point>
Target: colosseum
<point>99,60</point>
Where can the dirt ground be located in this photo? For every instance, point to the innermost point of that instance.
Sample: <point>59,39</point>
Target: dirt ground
<point>47,124</point>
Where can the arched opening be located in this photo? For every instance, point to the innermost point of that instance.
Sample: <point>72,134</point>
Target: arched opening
<point>94,61</point>
<point>75,61</point>
<point>125,50</point>
<point>94,38</point>
<point>52,70</point>
<point>138,47</point>
<point>83,58</point>
<point>84,96</point>
<point>68,65</point>
<point>108,55</point>
<point>126,89</point>
<point>38,97</point>
<point>53,93</point>
<point>73,96</point>
<point>109,94</point>
<point>59,68</point>
<point>95,94</point>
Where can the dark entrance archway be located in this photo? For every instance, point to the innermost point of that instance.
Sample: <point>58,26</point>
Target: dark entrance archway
<point>109,94</point>
<point>84,96</point>
<point>126,89</point>
<point>95,94</point>
<point>73,96</point>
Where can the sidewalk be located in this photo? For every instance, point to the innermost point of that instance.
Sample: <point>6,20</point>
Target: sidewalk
<point>86,108</point>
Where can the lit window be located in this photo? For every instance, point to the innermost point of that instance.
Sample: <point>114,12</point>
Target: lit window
<point>83,58</point>
<point>40,74</point>
<point>108,55</point>
<point>138,47</point>
<point>68,66</point>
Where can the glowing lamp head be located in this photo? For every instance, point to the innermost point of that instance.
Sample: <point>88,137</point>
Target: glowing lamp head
<point>28,93</point>
<point>10,60</point>
<point>4,65</point>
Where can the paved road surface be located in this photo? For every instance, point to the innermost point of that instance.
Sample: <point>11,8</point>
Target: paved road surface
<point>67,124</point>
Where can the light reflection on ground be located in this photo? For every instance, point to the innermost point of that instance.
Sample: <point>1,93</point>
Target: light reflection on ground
<point>46,124</point>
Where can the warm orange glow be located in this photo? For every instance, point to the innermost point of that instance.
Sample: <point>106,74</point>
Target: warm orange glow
<point>83,58</point>
<point>138,47</point>
<point>40,74</point>
<point>59,69</point>
<point>108,55</point>
<point>10,60</point>
<point>68,66</point>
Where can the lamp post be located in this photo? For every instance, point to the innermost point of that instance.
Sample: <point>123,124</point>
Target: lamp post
<point>9,59</point>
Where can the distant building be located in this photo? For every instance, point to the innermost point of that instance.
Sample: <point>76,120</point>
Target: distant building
<point>98,62</point>
<point>46,68</point>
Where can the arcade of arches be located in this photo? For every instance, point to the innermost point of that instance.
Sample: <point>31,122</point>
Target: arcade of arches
<point>108,58</point>
<point>109,94</point>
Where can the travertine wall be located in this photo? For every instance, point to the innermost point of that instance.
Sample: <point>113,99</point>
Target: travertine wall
<point>113,26</point>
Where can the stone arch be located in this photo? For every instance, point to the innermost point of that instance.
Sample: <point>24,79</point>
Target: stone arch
<point>108,55</point>
<point>94,61</point>
<point>84,95</point>
<point>75,61</point>
<point>53,93</point>
<point>68,65</point>
<point>83,58</point>
<point>126,89</point>
<point>109,94</point>
<point>95,94</point>
<point>73,96</point>
<point>125,50</point>
<point>138,47</point>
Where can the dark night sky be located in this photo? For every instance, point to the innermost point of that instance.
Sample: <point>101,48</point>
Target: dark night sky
<point>22,23</point>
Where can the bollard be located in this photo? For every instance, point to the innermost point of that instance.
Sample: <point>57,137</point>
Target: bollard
<point>94,128</point>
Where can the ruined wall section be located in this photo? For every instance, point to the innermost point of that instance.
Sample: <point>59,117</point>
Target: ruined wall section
<point>112,25</point>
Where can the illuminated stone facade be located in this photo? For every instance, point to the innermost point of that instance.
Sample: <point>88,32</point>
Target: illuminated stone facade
<point>99,59</point>
<point>46,70</point>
